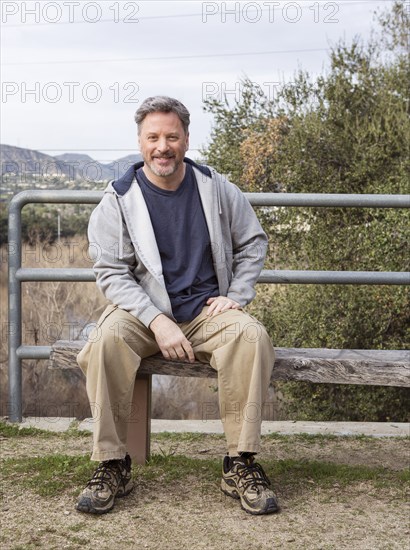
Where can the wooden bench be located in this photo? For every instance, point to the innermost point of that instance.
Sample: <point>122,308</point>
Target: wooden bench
<point>367,367</point>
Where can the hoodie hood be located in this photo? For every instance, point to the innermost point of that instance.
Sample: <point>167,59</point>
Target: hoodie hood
<point>123,184</point>
<point>121,187</point>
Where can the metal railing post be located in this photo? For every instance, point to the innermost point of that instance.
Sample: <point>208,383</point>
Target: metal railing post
<point>14,325</point>
<point>15,405</point>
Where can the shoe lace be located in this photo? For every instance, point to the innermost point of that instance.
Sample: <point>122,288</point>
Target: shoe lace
<point>107,473</point>
<point>252,476</point>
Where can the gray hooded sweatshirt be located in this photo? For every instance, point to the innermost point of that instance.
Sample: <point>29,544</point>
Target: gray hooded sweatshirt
<point>127,263</point>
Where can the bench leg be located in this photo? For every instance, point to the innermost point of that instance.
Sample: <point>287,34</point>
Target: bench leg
<point>139,425</point>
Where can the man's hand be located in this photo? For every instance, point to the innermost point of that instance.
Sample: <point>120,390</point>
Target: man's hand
<point>171,340</point>
<point>220,303</point>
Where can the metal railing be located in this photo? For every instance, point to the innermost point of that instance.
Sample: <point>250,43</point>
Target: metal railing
<point>18,274</point>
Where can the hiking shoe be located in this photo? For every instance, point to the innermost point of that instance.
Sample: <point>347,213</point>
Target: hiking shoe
<point>244,479</point>
<point>111,479</point>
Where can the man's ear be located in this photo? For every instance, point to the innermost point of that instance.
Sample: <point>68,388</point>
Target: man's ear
<point>187,142</point>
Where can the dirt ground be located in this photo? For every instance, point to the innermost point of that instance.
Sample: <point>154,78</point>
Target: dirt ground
<point>186,515</point>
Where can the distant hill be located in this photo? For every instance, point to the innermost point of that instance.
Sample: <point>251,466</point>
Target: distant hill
<point>118,167</point>
<point>20,161</point>
<point>92,169</point>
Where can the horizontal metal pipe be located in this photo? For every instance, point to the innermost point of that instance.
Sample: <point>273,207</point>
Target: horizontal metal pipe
<point>55,196</point>
<point>335,277</point>
<point>34,352</point>
<point>55,274</point>
<point>267,276</point>
<point>256,199</point>
<point>329,200</point>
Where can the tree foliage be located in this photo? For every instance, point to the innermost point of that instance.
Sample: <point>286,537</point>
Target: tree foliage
<point>39,222</point>
<point>347,131</point>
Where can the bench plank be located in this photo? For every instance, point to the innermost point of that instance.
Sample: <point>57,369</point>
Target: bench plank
<point>366,367</point>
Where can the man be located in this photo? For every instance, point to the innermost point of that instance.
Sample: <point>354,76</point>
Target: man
<point>178,250</point>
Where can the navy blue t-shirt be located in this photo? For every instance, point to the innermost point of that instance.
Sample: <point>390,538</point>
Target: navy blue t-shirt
<point>183,241</point>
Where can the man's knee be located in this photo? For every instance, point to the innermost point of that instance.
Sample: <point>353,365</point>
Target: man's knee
<point>241,328</point>
<point>119,338</point>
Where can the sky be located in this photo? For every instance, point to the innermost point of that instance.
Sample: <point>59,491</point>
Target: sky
<point>73,73</point>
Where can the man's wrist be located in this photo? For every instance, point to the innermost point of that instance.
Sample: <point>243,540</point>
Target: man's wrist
<point>156,321</point>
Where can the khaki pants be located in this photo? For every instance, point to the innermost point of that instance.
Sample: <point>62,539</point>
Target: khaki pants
<point>234,343</point>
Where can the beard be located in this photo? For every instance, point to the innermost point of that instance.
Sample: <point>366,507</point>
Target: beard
<point>163,171</point>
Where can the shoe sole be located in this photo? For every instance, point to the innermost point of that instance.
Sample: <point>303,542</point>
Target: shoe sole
<point>271,505</point>
<point>86,506</point>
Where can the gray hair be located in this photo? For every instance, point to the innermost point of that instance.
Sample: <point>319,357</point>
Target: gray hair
<point>162,104</point>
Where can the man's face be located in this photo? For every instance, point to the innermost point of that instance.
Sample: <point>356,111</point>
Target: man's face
<point>163,144</point>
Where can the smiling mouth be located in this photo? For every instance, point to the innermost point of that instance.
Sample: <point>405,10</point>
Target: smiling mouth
<point>163,159</point>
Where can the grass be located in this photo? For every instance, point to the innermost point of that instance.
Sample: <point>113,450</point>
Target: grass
<point>178,485</point>
<point>14,430</point>
<point>324,438</point>
<point>184,437</point>
<point>292,472</point>
<point>50,475</point>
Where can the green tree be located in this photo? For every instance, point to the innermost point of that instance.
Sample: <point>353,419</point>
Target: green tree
<point>348,131</point>
<point>223,150</point>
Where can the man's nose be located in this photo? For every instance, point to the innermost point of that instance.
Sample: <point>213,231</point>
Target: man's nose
<point>162,145</point>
